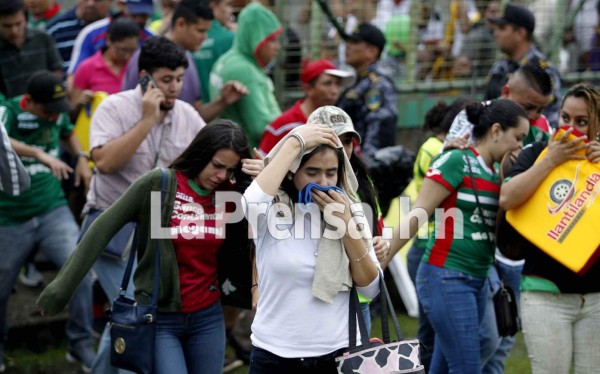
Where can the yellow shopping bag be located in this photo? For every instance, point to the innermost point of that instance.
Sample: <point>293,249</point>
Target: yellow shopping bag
<point>561,218</point>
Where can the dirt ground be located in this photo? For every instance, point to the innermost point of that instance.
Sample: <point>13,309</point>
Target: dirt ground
<point>35,342</point>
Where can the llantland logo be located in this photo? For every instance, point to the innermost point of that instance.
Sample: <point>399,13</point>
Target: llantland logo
<point>572,204</point>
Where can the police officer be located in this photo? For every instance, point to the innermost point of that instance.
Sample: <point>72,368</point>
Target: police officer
<point>371,101</point>
<point>514,36</point>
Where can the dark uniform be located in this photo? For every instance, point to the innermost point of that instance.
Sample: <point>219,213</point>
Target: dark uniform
<point>498,76</point>
<point>371,103</point>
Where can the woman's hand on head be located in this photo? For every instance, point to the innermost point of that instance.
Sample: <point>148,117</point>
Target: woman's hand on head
<point>593,152</point>
<point>253,166</point>
<point>315,135</point>
<point>560,149</point>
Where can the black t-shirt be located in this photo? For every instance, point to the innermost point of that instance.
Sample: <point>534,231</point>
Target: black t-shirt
<point>538,263</point>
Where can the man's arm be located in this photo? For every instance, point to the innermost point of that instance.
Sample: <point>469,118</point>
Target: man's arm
<point>82,170</point>
<point>231,92</point>
<point>58,168</point>
<point>112,156</point>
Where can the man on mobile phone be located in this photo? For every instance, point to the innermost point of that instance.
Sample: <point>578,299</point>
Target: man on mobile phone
<point>131,133</point>
<point>189,26</point>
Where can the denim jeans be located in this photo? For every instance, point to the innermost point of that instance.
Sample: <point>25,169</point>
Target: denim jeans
<point>560,330</point>
<point>265,362</point>
<point>366,312</point>
<point>454,303</point>
<point>191,343</point>
<point>55,234</point>
<point>425,332</point>
<point>495,349</point>
<point>109,271</point>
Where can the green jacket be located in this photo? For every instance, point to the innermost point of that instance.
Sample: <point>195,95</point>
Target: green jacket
<point>256,110</point>
<point>134,206</point>
<point>219,40</point>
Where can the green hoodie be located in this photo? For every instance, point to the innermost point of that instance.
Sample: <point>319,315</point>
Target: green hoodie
<point>255,111</point>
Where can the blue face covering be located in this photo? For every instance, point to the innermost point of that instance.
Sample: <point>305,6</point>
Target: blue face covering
<point>305,196</point>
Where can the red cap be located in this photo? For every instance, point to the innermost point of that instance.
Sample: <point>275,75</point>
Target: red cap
<point>318,67</point>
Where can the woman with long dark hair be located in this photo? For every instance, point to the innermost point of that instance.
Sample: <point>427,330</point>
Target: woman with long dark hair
<point>306,266</point>
<point>190,335</point>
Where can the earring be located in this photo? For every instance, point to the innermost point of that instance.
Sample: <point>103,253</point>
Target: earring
<point>289,177</point>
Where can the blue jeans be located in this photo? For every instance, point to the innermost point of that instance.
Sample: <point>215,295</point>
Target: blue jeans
<point>454,303</point>
<point>109,271</point>
<point>495,349</point>
<point>425,332</point>
<point>366,312</point>
<point>265,362</point>
<point>55,234</point>
<point>191,343</point>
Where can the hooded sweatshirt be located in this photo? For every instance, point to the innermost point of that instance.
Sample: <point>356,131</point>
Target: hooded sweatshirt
<point>253,112</point>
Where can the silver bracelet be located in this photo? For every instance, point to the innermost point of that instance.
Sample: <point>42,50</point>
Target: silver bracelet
<point>301,141</point>
<point>361,257</point>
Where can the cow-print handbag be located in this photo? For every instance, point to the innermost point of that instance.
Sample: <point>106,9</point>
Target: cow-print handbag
<point>391,356</point>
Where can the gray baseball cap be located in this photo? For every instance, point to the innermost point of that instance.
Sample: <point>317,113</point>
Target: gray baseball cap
<point>336,118</point>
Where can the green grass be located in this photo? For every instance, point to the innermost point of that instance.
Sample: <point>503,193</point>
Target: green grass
<point>53,361</point>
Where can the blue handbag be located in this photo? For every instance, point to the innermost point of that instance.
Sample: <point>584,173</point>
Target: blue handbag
<point>133,326</point>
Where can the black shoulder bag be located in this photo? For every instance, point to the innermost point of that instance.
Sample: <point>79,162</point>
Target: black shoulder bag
<point>505,304</point>
<point>133,326</point>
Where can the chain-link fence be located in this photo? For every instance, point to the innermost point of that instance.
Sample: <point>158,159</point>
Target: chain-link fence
<point>435,48</point>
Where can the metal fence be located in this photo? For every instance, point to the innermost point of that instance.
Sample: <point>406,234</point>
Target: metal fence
<point>436,48</point>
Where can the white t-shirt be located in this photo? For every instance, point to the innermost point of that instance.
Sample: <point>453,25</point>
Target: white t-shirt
<point>289,321</point>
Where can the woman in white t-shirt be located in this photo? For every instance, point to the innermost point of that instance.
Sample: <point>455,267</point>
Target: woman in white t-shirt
<point>301,321</point>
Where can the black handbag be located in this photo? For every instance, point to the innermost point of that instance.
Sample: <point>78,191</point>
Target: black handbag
<point>133,326</point>
<point>505,304</point>
<point>507,313</point>
<point>391,356</point>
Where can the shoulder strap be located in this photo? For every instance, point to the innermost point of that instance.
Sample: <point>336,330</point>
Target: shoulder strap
<point>479,208</point>
<point>477,203</point>
<point>355,314</point>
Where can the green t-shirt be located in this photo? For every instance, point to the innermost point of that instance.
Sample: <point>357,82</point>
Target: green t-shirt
<point>473,253</point>
<point>219,40</point>
<point>46,192</point>
<point>535,135</point>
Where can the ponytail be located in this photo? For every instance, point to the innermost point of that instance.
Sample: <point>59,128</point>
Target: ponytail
<point>501,111</point>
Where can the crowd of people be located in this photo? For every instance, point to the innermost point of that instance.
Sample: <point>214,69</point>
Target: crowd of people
<point>94,100</point>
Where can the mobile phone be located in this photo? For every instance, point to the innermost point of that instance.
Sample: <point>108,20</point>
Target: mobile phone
<point>145,81</point>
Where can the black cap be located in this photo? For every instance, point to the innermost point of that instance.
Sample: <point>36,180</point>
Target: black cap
<point>368,33</point>
<point>517,15</point>
<point>47,89</point>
